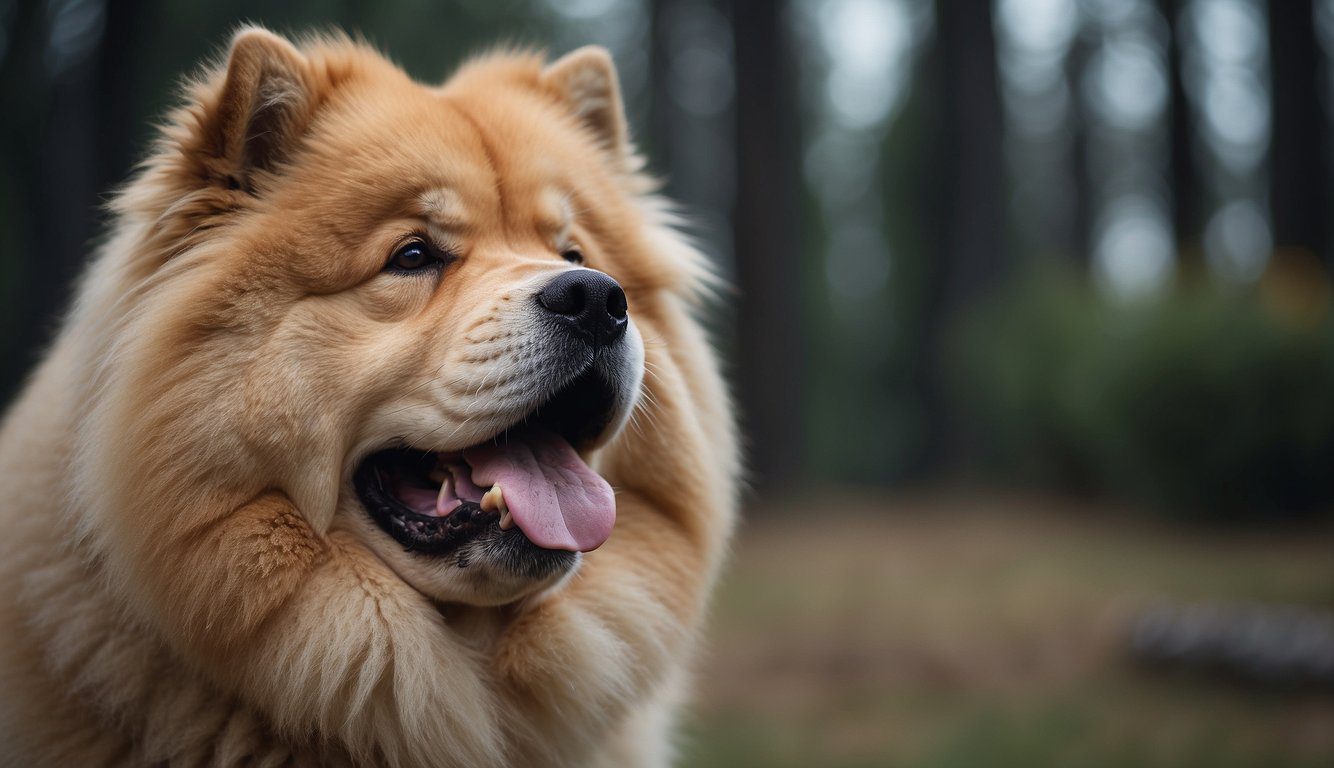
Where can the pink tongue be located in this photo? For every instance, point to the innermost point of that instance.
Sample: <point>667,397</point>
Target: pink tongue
<point>556,500</point>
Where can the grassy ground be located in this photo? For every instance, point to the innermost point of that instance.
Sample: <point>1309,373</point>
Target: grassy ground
<point>975,633</point>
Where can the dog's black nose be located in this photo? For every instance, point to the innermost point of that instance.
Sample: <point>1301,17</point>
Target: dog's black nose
<point>589,301</point>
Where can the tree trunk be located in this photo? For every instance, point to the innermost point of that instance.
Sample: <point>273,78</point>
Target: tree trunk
<point>1081,128</point>
<point>1299,197</point>
<point>662,109</point>
<point>767,240</point>
<point>969,211</point>
<point>119,105</point>
<point>1185,211</point>
<point>54,123</point>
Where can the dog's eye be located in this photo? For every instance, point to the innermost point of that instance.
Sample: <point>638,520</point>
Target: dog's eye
<point>413,256</point>
<point>573,255</point>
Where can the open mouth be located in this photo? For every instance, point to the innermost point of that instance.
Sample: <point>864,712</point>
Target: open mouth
<point>526,487</point>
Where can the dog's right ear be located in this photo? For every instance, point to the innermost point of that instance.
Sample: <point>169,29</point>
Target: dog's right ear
<point>585,83</point>
<point>264,106</point>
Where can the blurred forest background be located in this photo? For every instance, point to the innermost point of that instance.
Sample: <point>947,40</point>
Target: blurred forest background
<point>1031,339</point>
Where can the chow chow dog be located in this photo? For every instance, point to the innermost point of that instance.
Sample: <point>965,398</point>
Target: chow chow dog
<point>380,432</point>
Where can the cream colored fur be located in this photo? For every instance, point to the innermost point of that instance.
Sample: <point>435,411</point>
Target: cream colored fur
<point>189,578</point>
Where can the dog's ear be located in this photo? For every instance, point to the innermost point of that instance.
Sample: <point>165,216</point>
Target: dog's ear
<point>264,105</point>
<point>585,82</point>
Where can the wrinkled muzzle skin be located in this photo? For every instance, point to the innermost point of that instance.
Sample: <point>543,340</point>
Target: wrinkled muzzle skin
<point>194,576</point>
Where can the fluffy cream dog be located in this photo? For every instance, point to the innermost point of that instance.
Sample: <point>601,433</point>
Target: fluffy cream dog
<point>380,433</point>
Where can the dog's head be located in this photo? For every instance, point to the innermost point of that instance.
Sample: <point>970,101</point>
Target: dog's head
<point>409,308</point>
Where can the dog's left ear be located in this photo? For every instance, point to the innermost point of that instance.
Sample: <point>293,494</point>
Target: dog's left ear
<point>265,103</point>
<point>585,82</point>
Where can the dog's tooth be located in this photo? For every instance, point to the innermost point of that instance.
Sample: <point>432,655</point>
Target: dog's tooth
<point>446,489</point>
<point>494,500</point>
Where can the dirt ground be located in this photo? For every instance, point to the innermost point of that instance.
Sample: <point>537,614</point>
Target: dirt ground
<point>967,630</point>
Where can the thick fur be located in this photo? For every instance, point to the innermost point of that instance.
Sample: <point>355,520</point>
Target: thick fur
<point>189,577</point>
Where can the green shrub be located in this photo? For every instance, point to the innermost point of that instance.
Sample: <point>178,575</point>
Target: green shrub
<point>1198,402</point>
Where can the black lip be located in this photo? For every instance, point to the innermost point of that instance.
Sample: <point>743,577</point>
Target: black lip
<point>417,532</point>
